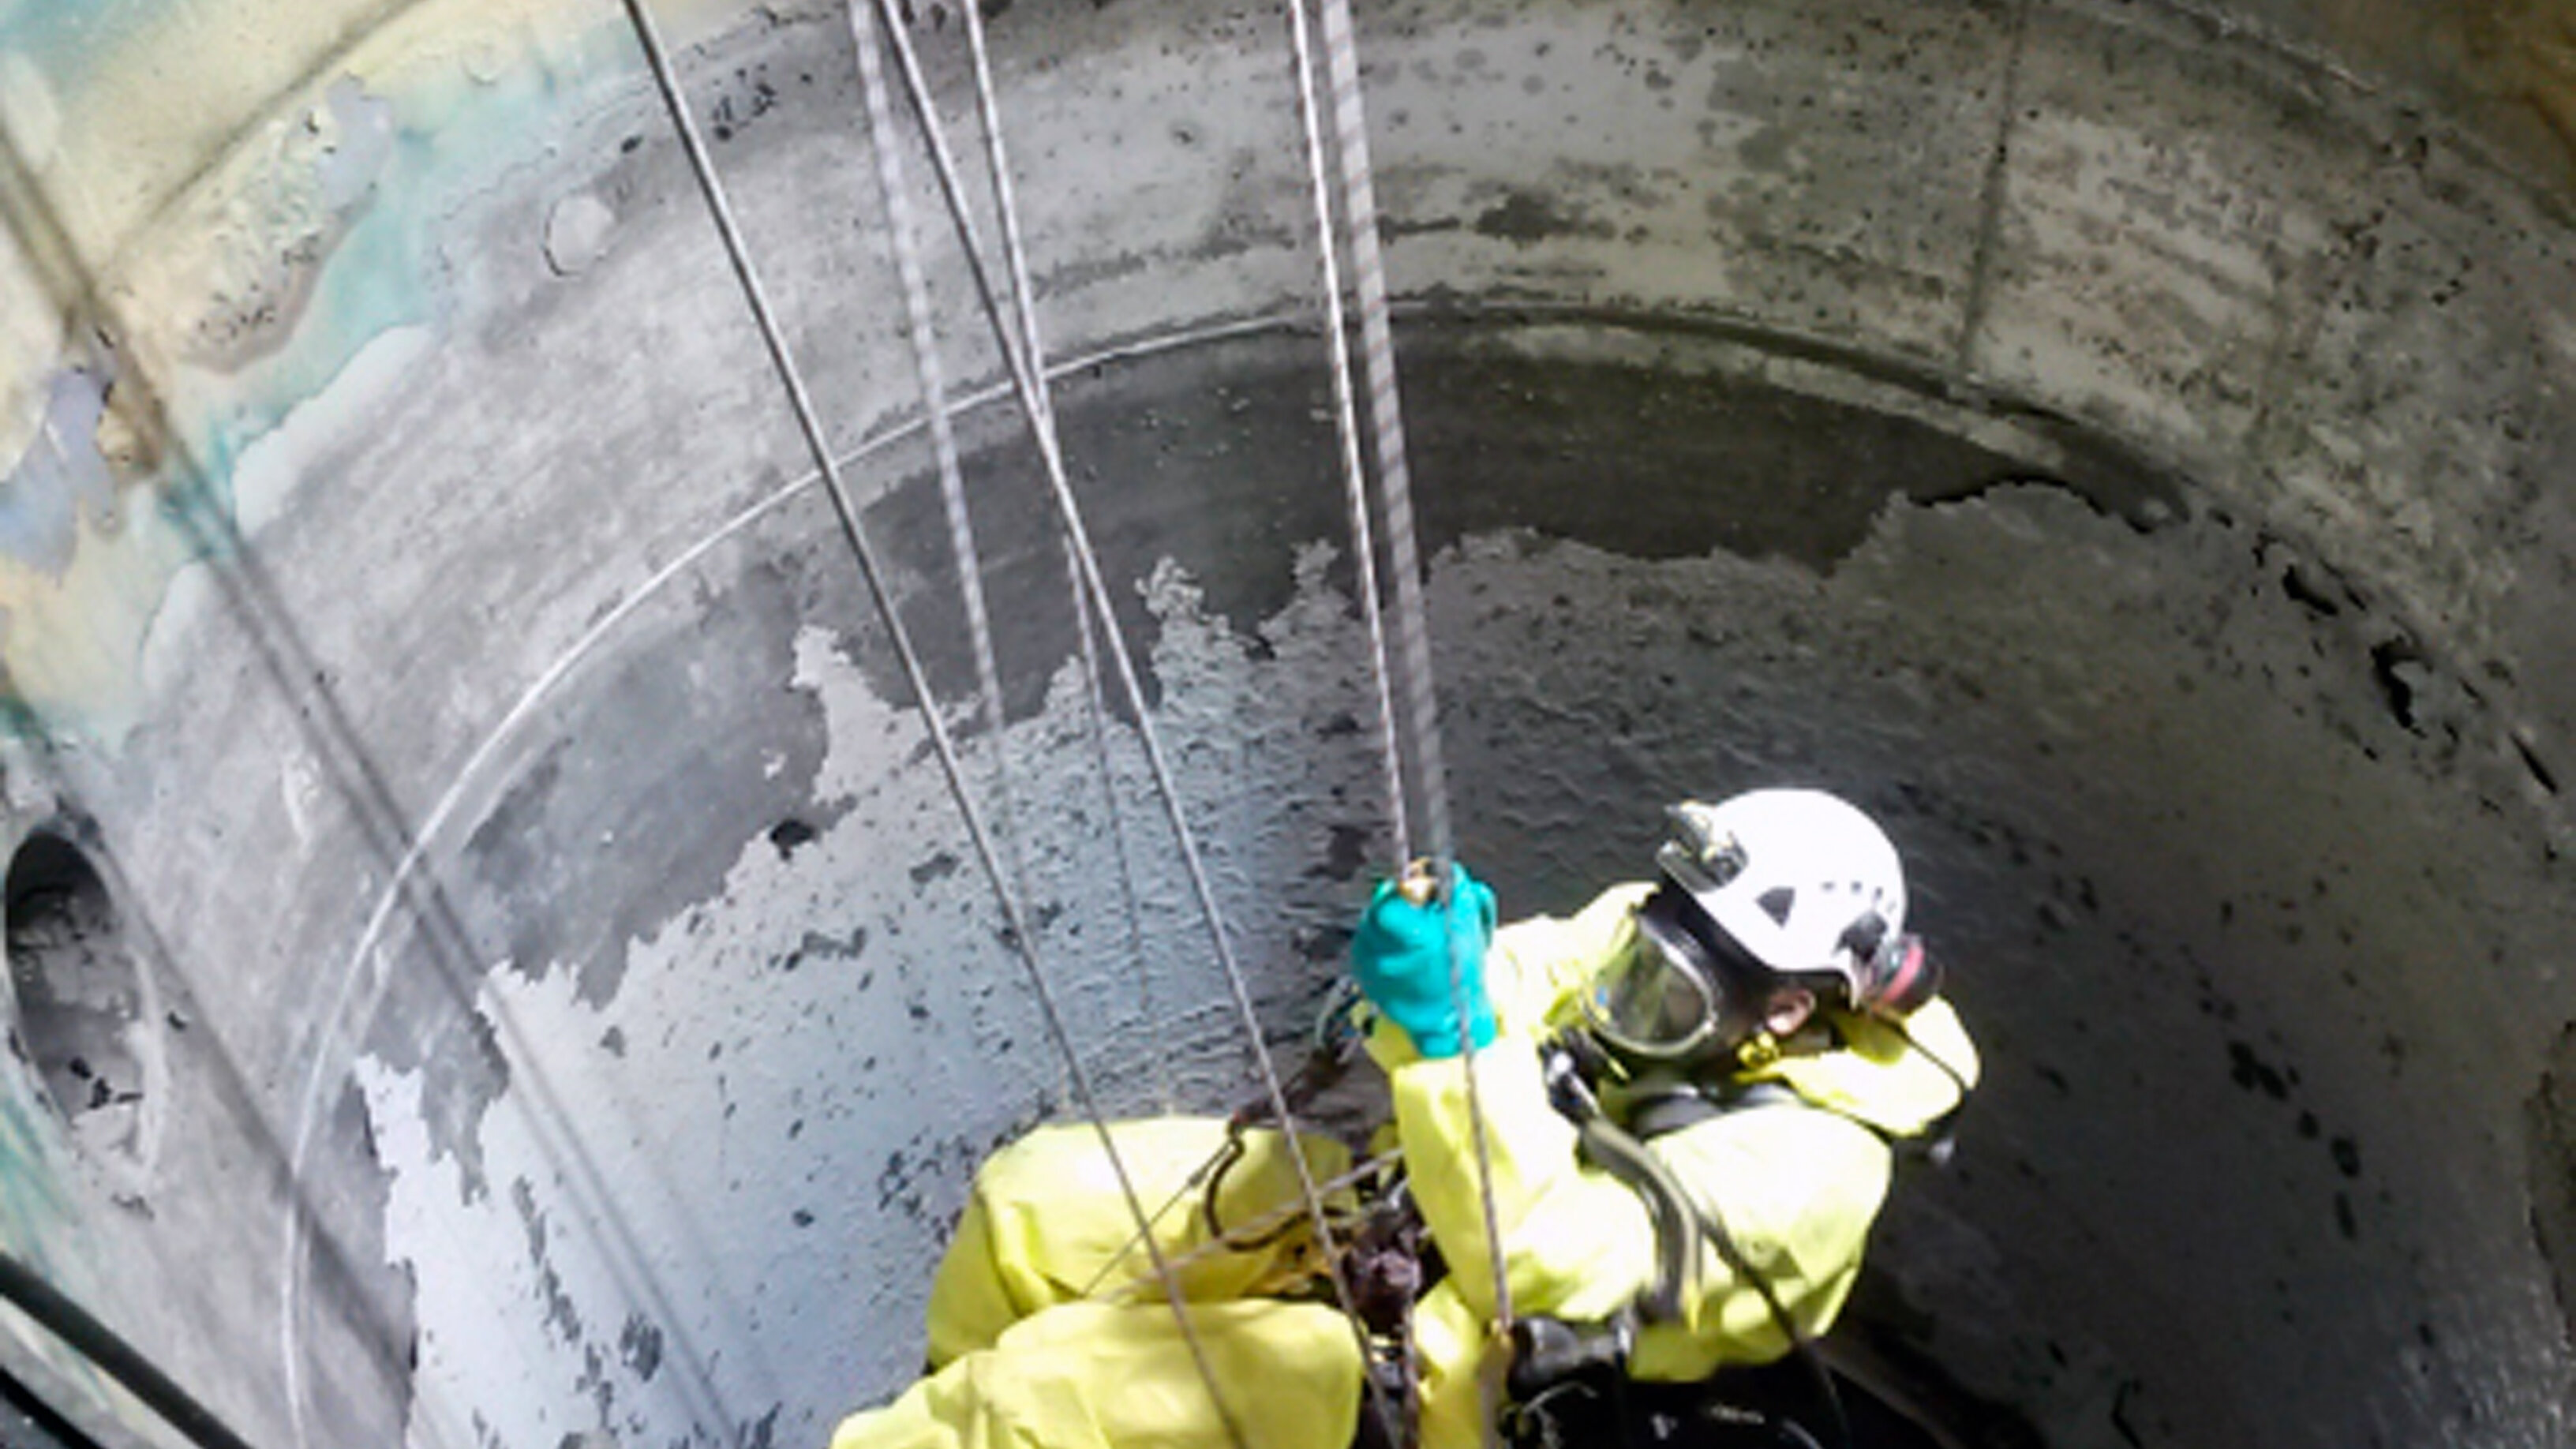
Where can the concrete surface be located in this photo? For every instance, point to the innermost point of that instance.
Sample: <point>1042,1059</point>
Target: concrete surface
<point>2128,447</point>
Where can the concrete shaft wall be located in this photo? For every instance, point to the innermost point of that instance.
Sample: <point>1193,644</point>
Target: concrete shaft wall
<point>493,963</point>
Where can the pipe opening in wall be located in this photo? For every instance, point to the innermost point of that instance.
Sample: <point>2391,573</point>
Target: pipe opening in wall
<point>79,995</point>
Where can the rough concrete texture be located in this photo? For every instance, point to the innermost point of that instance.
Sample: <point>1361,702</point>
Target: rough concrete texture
<point>2126,449</point>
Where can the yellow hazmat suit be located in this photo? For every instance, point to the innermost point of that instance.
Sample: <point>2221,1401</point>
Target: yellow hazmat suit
<point>1046,1332</point>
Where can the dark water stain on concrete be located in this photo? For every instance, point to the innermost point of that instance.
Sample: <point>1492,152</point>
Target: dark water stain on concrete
<point>424,1025</point>
<point>362,1397</point>
<point>2549,1126</point>
<point>619,827</point>
<point>1765,150</point>
<point>558,1309</point>
<point>2251,1073</point>
<point>1221,456</point>
<point>914,1173</point>
<point>1346,852</point>
<point>1530,217</point>
<point>815,945</point>
<point>788,834</point>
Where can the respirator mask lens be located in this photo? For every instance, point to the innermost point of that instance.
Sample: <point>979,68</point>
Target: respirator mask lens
<point>1659,999</point>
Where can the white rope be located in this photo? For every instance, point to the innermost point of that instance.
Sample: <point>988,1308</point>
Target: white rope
<point>1096,721</point>
<point>1386,420</point>
<point>1006,211</point>
<point>1030,375</point>
<point>800,401</point>
<point>1029,384</point>
<point>904,243</point>
<point>997,162</point>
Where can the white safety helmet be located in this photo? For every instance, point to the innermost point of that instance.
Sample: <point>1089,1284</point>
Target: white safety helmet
<point>1780,883</point>
<point>1787,875</point>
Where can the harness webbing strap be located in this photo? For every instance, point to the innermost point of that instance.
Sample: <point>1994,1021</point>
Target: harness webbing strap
<point>1669,1203</point>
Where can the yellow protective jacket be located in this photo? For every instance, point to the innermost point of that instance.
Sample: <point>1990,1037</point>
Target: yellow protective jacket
<point>1029,1356</point>
<point>1796,1186</point>
<point>1049,1328</point>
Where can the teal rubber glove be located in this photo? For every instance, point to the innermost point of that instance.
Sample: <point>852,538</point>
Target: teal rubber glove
<point>1401,956</point>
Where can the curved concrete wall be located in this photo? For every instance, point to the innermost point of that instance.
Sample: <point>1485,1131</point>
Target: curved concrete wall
<point>529,983</point>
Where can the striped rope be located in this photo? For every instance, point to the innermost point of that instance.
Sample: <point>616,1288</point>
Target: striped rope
<point>1386,422</point>
<point>1386,416</point>
<point>904,242</point>
<point>1347,431</point>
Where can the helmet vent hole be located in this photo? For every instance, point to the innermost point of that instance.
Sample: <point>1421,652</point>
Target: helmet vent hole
<point>1777,902</point>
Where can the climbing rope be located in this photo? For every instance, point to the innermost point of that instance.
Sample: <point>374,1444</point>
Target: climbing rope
<point>1346,431</point>
<point>897,201</point>
<point>1021,349</point>
<point>1386,416</point>
<point>997,164</point>
<point>1022,356</point>
<point>1029,383</point>
<point>1006,210</point>
<point>1023,941</point>
<point>1029,378</point>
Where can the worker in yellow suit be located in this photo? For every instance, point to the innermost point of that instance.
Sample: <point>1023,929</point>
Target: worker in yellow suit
<point>1756,1017</point>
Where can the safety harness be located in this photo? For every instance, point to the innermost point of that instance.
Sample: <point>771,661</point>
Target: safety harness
<point>1556,1364</point>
